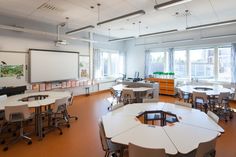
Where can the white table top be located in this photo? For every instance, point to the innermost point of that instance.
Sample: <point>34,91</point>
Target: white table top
<point>216,90</point>
<point>187,137</point>
<point>138,89</point>
<point>121,87</point>
<point>147,136</point>
<point>114,125</point>
<point>15,100</point>
<point>189,119</point>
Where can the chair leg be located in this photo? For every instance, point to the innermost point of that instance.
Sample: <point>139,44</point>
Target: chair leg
<point>22,136</point>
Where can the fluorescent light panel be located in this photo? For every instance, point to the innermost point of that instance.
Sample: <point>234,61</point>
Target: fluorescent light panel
<point>218,36</point>
<point>80,29</point>
<point>211,25</point>
<point>158,33</point>
<point>170,4</point>
<point>120,39</point>
<point>130,15</point>
<point>181,40</point>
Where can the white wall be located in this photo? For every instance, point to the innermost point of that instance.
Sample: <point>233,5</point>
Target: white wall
<point>135,49</point>
<point>21,42</point>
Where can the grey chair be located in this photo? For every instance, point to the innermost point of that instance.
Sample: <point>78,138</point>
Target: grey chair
<point>154,97</point>
<point>183,96</point>
<point>128,96</point>
<point>213,116</point>
<point>200,100</point>
<point>2,98</point>
<point>206,149</point>
<point>57,116</point>
<point>137,151</point>
<point>18,115</point>
<point>116,98</point>
<point>107,145</point>
<point>222,107</point>
<point>70,103</point>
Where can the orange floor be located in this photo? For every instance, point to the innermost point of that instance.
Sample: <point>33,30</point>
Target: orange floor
<point>82,138</point>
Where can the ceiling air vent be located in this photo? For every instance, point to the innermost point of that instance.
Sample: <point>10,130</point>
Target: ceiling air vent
<point>49,7</point>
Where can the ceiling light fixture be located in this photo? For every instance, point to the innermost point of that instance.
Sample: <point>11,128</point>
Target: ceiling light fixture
<point>130,15</point>
<point>80,29</point>
<point>158,33</point>
<point>170,4</point>
<point>176,41</point>
<point>211,25</point>
<point>121,39</point>
<point>218,36</point>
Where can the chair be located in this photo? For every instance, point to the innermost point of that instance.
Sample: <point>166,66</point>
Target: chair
<point>116,96</point>
<point>183,96</point>
<point>222,108</point>
<point>18,115</point>
<point>70,102</point>
<point>2,98</point>
<point>206,149</point>
<point>114,107</point>
<point>107,145</point>
<point>128,96</point>
<point>200,99</point>
<point>154,98</point>
<point>213,116</point>
<point>153,116</point>
<point>148,96</point>
<point>183,104</point>
<point>137,151</point>
<point>57,115</point>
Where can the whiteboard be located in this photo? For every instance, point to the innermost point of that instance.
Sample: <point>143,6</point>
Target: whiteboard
<point>47,65</point>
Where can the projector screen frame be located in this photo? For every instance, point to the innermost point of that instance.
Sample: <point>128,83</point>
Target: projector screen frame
<point>53,51</point>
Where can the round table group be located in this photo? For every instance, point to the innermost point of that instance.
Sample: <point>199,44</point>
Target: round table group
<point>48,98</point>
<point>194,127</point>
<point>209,90</point>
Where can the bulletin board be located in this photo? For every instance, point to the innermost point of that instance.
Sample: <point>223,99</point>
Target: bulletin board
<point>13,68</point>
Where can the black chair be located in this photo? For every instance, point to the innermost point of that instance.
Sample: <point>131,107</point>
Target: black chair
<point>153,116</point>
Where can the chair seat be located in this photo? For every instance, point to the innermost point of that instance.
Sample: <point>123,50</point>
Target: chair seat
<point>171,119</point>
<point>153,116</point>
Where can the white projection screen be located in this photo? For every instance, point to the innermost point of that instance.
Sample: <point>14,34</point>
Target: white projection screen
<point>48,65</point>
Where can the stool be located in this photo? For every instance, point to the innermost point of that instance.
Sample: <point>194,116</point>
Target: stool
<point>87,92</point>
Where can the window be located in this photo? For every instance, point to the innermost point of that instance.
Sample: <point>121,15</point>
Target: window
<point>202,63</point>
<point>108,64</point>
<point>224,64</point>
<point>180,63</point>
<point>112,64</point>
<point>156,62</point>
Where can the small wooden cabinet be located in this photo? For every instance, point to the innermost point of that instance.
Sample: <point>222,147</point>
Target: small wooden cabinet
<point>167,86</point>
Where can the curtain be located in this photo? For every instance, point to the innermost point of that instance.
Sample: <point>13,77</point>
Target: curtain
<point>171,59</point>
<point>233,63</point>
<point>97,63</point>
<point>147,63</point>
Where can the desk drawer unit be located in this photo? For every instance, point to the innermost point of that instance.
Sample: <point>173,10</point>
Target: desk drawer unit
<point>167,86</point>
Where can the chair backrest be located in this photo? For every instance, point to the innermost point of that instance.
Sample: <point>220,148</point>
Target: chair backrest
<point>200,95</point>
<point>183,104</point>
<point>213,116</point>
<point>102,135</point>
<point>60,105</point>
<point>137,151</point>
<point>116,106</point>
<point>223,96</point>
<point>70,99</point>
<point>206,147</point>
<point>17,113</point>
<point>3,98</point>
<point>180,94</point>
<point>127,93</point>
<point>149,93</point>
